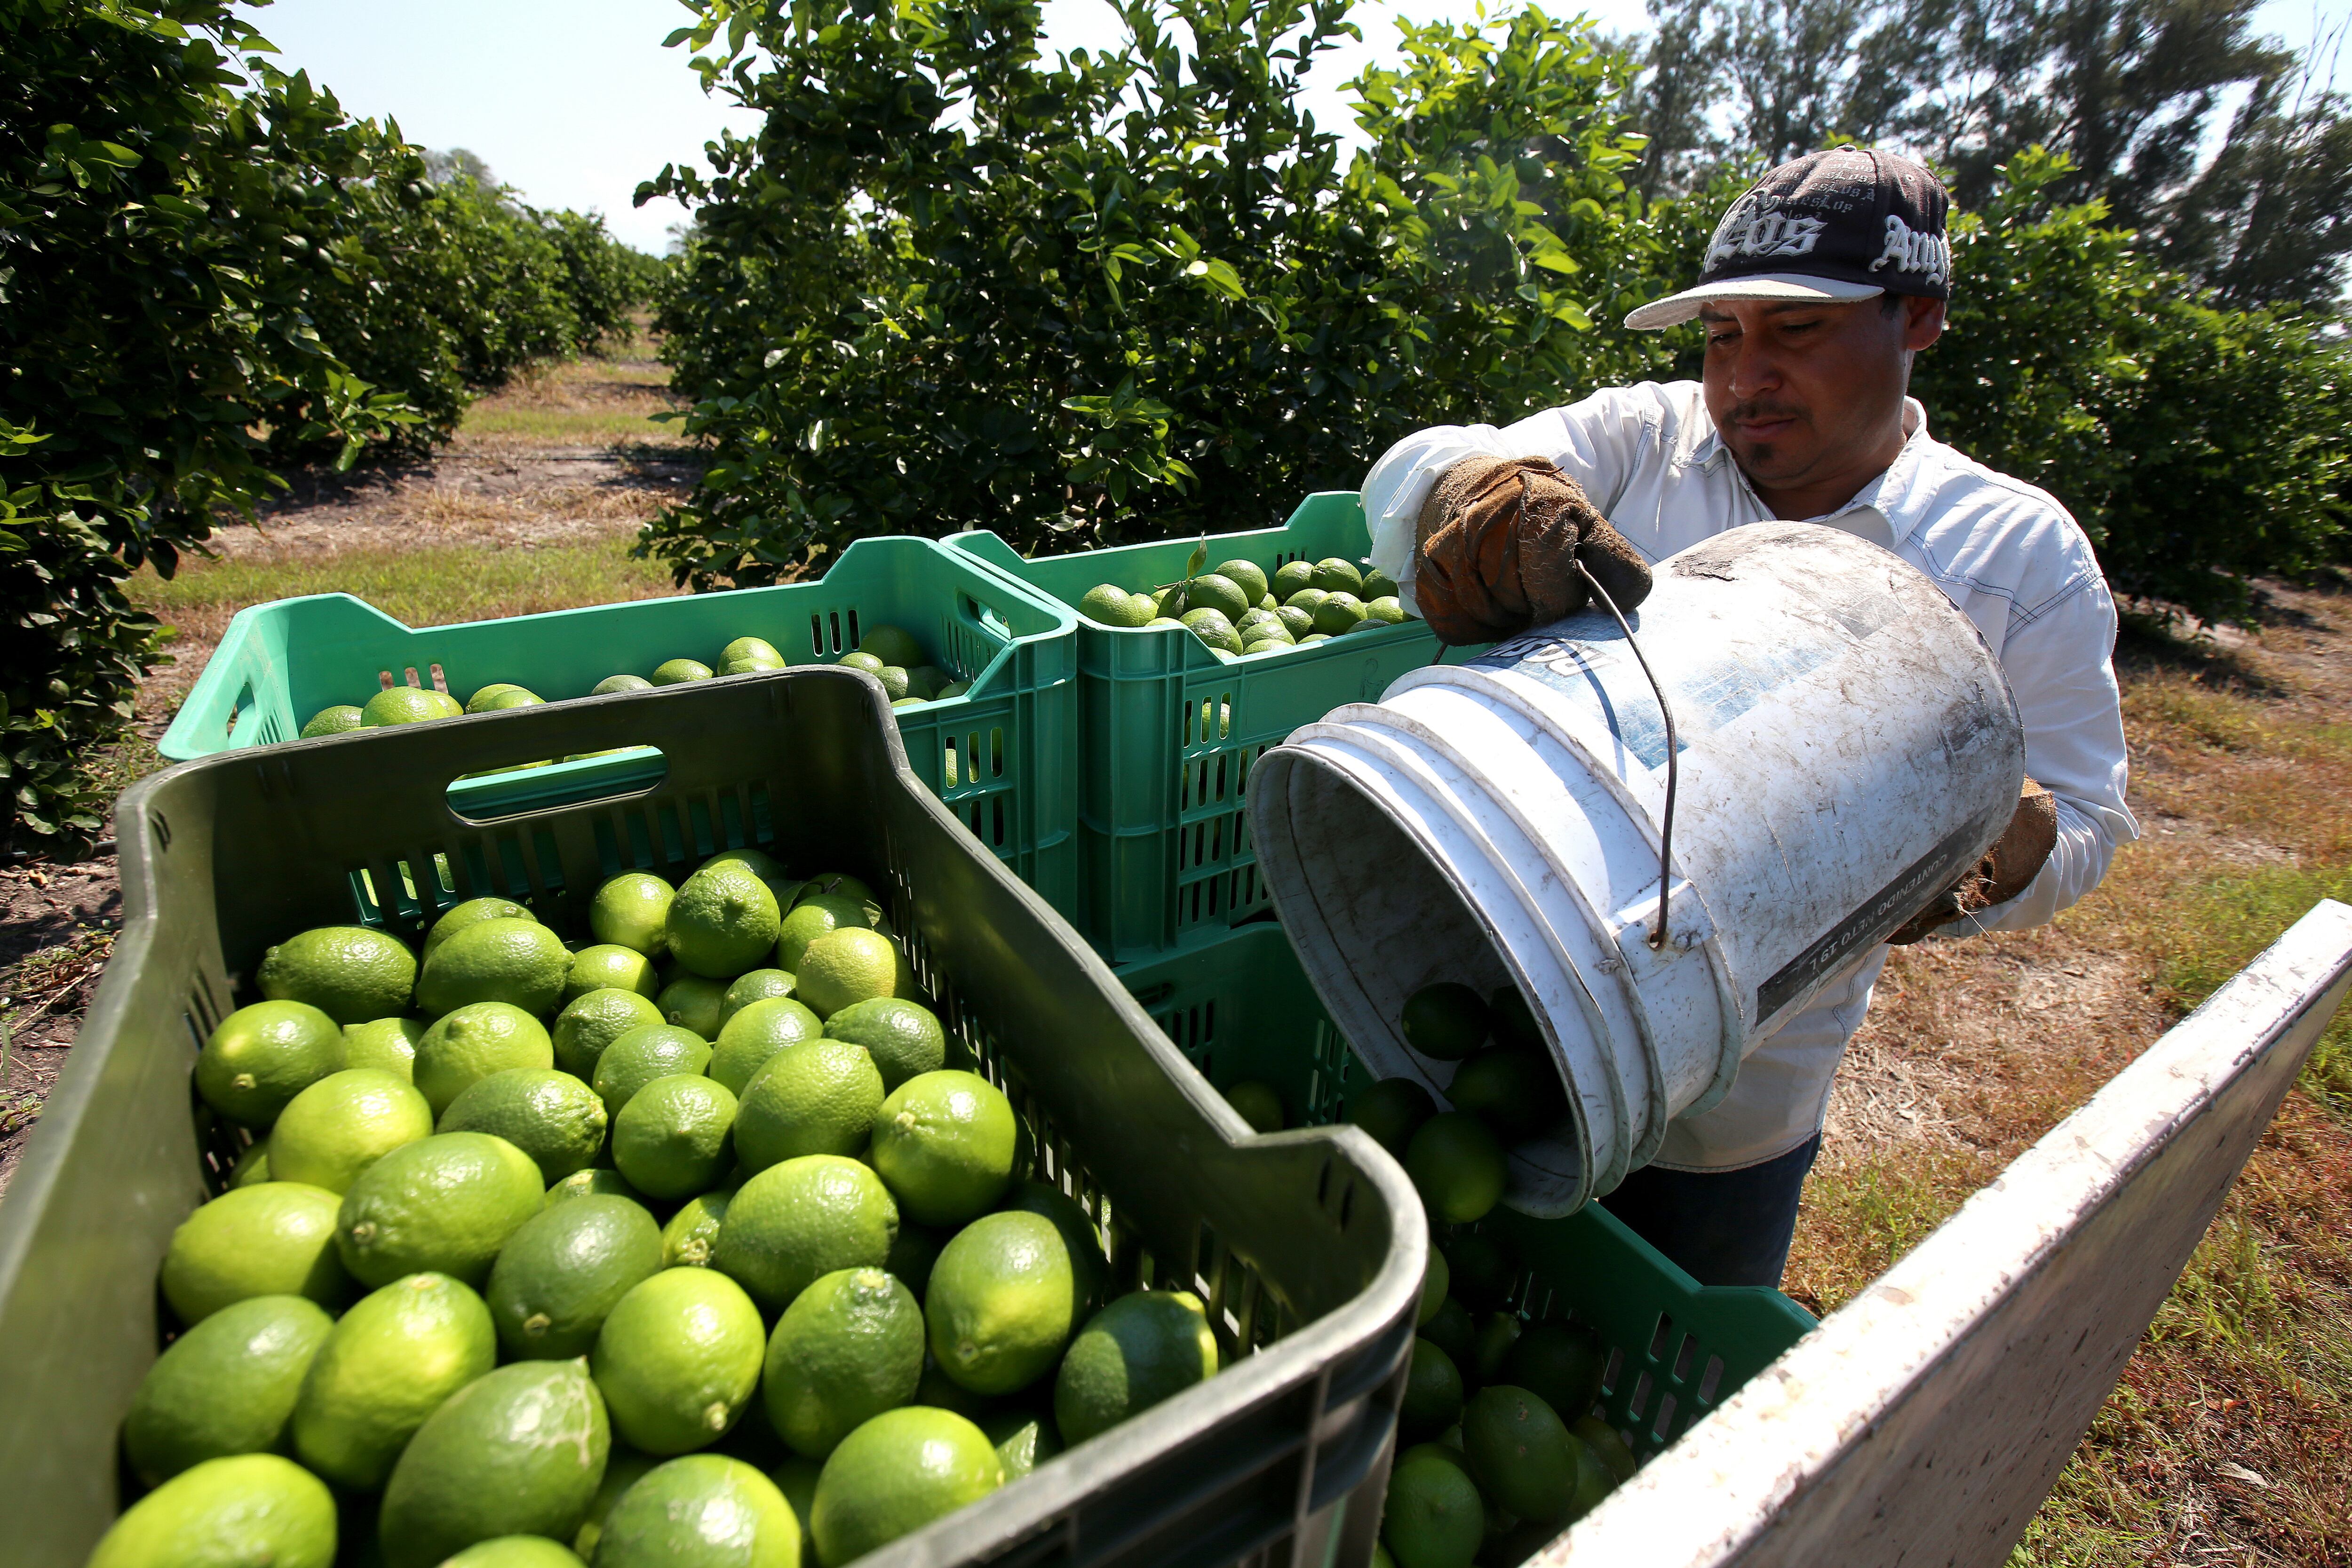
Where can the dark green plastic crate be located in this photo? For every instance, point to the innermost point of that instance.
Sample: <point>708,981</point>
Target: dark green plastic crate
<point>1001,755</point>
<point>1309,1245</point>
<point>1241,1008</point>
<point>1170,730</point>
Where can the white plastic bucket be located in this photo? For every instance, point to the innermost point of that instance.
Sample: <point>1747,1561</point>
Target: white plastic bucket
<point>1847,747</point>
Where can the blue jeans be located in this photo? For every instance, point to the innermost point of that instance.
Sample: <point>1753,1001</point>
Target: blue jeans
<point>1723,1227</point>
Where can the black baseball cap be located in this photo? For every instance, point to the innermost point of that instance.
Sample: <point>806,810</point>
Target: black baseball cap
<point>1843,225</point>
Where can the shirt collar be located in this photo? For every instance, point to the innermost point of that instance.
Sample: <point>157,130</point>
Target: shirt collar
<point>1898,495</point>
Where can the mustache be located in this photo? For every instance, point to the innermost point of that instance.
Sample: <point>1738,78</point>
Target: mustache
<point>1763,409</point>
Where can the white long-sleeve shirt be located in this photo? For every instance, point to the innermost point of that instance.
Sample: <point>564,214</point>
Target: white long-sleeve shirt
<point>2011,559</point>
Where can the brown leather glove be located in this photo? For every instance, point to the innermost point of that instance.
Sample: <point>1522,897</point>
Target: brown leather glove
<point>2016,856</point>
<point>1498,536</point>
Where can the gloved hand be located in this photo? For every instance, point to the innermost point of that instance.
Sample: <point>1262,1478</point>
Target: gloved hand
<point>2004,872</point>
<point>1497,539</point>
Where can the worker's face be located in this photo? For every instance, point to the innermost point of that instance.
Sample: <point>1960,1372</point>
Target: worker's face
<point>1805,392</point>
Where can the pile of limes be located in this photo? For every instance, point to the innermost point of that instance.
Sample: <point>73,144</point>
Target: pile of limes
<point>885,651</point>
<point>1238,610</point>
<point>674,1247</point>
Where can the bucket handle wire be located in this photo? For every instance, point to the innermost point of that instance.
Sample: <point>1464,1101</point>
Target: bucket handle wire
<point>1673,771</point>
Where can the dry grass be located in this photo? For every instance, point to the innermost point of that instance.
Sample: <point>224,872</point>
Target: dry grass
<point>608,400</point>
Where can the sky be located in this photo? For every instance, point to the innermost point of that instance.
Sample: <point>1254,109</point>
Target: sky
<point>575,101</point>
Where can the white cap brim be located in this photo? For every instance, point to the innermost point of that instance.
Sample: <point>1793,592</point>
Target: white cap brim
<point>1676,308</point>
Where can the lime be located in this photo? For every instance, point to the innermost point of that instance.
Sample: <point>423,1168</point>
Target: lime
<point>595,1181</point>
<point>1313,637</point>
<point>847,966</point>
<point>473,1042</point>
<point>705,1511</point>
<point>895,1474</point>
<point>752,985</point>
<point>340,720</point>
<point>388,1045</point>
<point>515,1552</point>
<point>1260,1104</point>
<point>1115,606</point>
<point>848,1347</point>
<point>854,659</point>
<point>226,1387</point>
<point>473,911</point>
<point>891,645</point>
<point>894,683</point>
<point>1433,1392</point>
<point>816,915</point>
<point>1458,1167</point>
<point>612,683</point>
<point>1559,1364</point>
<point>1518,1093</point>
<point>1295,621</point>
<point>632,911</point>
<point>646,1053</point>
<point>1524,1460</point>
<point>1080,1234</point>
<point>819,1097</point>
<point>761,864</point>
<point>913,1251</point>
<point>1210,590</point>
<point>1497,1333</point>
<point>1446,1021</point>
<point>1335,576</point>
<point>749,647</point>
<point>723,922</point>
<point>1437,1278</point>
<point>479,701</point>
<point>1339,614</point>
<point>903,1037</point>
<point>1142,1348</point>
<point>388,1365</point>
<point>252,1166</point>
<point>443,1204</point>
<point>671,1140</point>
<point>263,1056</point>
<point>1433,1516</point>
<point>1158,621</point>
<point>1024,1440</point>
<point>840,884</point>
<point>924,680</point>
<point>624,1470</point>
<point>351,974</point>
<point>794,1223</point>
<point>693,1002</point>
<point>1290,577</point>
<point>408,705</point>
<point>343,1123</point>
<point>943,1143</point>
<point>1515,1021</point>
<point>1002,1300</point>
<point>678,1358</point>
<point>518,962</point>
<point>551,1116</point>
<point>1307,600</point>
<point>275,1238</point>
<point>1608,1446</point>
<point>225,1513</point>
<point>609,966</point>
<point>563,1271</point>
<point>1387,610</point>
<point>590,1022</point>
<point>678,671</point>
<point>1212,629</point>
<point>756,1033</point>
<point>1246,575</point>
<point>1378,584</point>
<point>1451,1329</point>
<point>691,1233</point>
<point>499,701</point>
<point>516,1452</point>
<point>796,1477</point>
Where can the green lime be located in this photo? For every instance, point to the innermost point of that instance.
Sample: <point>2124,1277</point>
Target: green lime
<point>595,1181</point>
<point>518,962</point>
<point>551,1116</point>
<point>1313,637</point>
<point>1523,1459</point>
<point>678,671</point>
<point>516,1452</point>
<point>444,1203</point>
<point>1445,1021</point>
<point>794,1223</point>
<point>1387,610</point>
<point>943,1143</point>
<point>632,911</point>
<point>693,1002</point>
<point>1560,1364</point>
<point>499,701</point>
<point>855,659</point>
<point>1608,1446</point>
<point>1335,576</point>
<point>388,1045</point>
<point>408,705</point>
<point>340,720</point>
<point>388,1365</point>
<point>755,1033</point>
<point>1451,1329</point>
<point>1433,1392</point>
<point>749,647</point>
<point>1115,606</point>
<point>1458,1167</point>
<point>752,985</point>
<point>1515,1021</point>
<point>479,701</point>
<point>515,1552</point>
<point>351,974</point>
<point>705,1511</point>
<point>646,1053</point>
<point>609,966</point>
<point>819,1097</point>
<point>1260,1104</point>
<point>1517,1093</point>
<point>1210,590</point>
<point>1024,1440</point>
<point>276,1238</point>
<point>894,683</point>
<point>263,1056</point>
<point>848,1347</point>
<point>588,1024</point>
<point>761,864</point>
<point>343,1123</point>
<point>1378,584</point>
<point>624,1470</point>
<point>839,885</point>
<point>693,1231</point>
<point>723,922</point>
<point>1307,600</point>
<point>1481,1268</point>
<point>225,1513</point>
<point>472,1043</point>
<point>1142,1348</point>
<point>1437,1279</point>
<point>1080,1234</point>
<point>796,1477</point>
<point>904,1038</point>
<point>1433,1516</point>
<point>1290,577</point>
<point>671,1140</point>
<point>913,1251</point>
<point>563,1270</point>
<point>891,645</point>
<point>1002,1300</point>
<point>252,1166</point>
<point>1339,614</point>
<point>612,683</point>
<point>816,915</point>
<point>848,967</point>
<point>1246,575</point>
<point>677,1360</point>
<point>924,680</point>
<point>1212,629</point>
<point>895,1475</point>
<point>473,911</point>
<point>226,1387</point>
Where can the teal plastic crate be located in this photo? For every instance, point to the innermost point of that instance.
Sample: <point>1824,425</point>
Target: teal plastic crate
<point>1241,1008</point>
<point>1003,756</point>
<point>1171,729</point>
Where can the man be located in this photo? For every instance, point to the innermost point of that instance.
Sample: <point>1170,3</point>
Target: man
<point>1822,284</point>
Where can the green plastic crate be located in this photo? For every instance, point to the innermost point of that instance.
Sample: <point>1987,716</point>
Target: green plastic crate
<point>1171,729</point>
<point>1309,1246</point>
<point>1001,755</point>
<point>1241,1008</point>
